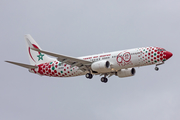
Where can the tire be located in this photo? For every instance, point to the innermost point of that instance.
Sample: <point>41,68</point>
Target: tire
<point>91,76</point>
<point>156,68</point>
<point>88,75</point>
<point>104,80</point>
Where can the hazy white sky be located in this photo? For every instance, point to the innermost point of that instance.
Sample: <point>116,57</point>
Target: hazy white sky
<point>78,28</point>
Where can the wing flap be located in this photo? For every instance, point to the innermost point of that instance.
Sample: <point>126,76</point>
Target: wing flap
<point>23,65</point>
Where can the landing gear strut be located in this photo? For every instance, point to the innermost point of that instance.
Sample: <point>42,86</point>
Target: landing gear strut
<point>89,75</point>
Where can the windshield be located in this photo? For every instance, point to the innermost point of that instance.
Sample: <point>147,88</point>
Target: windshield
<point>161,49</point>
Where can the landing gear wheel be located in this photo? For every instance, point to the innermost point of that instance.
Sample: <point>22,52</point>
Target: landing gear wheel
<point>104,80</point>
<point>156,68</point>
<point>88,75</point>
<point>91,76</point>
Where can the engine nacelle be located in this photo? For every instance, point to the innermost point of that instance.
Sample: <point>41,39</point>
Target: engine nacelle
<point>101,66</point>
<point>126,72</point>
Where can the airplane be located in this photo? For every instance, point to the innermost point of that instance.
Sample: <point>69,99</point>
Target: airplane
<point>119,63</point>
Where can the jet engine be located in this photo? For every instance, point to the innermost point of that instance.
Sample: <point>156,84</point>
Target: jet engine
<point>126,72</point>
<point>101,66</point>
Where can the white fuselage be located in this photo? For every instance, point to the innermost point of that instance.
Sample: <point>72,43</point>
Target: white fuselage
<point>118,60</point>
<point>120,63</point>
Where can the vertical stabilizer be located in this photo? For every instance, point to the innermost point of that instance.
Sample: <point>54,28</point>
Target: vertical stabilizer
<point>34,56</point>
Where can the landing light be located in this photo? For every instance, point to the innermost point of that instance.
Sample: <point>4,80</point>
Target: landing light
<point>112,69</point>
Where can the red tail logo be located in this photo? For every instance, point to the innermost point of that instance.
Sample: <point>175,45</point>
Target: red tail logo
<point>30,51</point>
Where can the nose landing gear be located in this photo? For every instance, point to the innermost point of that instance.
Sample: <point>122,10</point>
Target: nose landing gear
<point>156,68</point>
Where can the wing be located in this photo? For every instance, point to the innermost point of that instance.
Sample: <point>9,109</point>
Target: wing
<point>109,74</point>
<point>82,64</point>
<point>22,65</point>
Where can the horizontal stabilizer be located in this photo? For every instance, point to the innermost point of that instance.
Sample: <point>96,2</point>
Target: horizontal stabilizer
<point>23,65</point>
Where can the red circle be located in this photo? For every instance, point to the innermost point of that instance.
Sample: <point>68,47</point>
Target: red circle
<point>117,59</point>
<point>126,55</point>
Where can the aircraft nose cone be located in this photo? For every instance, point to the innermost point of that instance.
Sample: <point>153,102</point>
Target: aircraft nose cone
<point>168,54</point>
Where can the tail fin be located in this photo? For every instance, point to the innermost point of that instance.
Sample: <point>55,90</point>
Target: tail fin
<point>34,56</point>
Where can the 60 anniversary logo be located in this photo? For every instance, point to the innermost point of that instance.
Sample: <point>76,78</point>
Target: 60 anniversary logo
<point>123,58</point>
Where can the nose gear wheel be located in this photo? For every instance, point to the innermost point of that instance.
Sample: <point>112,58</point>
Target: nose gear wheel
<point>156,68</point>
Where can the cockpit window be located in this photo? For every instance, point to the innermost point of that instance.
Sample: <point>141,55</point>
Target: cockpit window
<point>161,50</point>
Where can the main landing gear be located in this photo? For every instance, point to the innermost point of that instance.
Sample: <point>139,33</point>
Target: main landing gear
<point>89,75</point>
<point>104,80</point>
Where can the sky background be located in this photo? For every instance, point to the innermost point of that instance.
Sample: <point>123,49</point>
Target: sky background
<point>84,27</point>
